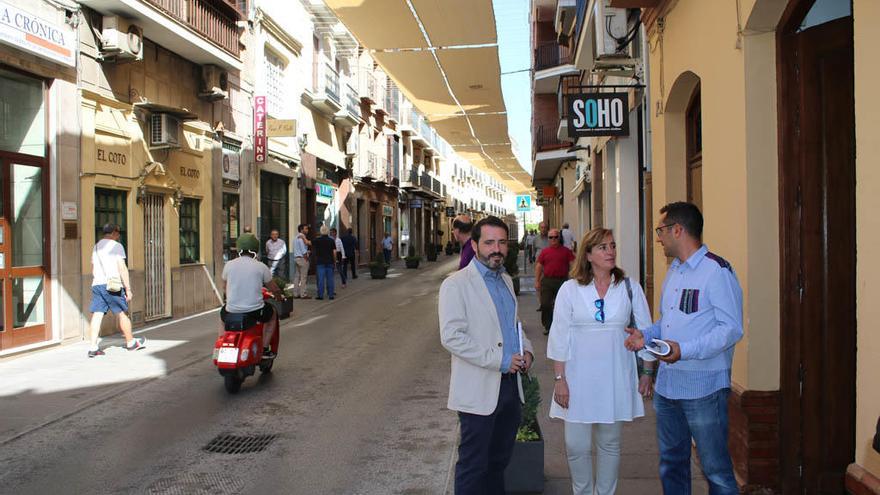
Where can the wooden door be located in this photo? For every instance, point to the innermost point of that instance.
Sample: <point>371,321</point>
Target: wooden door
<point>817,194</point>
<point>694,141</point>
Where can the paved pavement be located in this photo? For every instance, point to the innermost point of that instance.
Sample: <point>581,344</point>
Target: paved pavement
<point>357,398</point>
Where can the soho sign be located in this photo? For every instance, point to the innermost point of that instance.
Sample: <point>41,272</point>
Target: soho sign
<point>598,114</point>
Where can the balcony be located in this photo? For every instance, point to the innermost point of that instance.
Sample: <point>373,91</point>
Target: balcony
<point>203,31</point>
<point>565,15</point>
<point>552,61</point>
<point>568,86</point>
<point>324,96</point>
<point>350,116</point>
<point>550,153</point>
<point>392,102</point>
<point>368,167</point>
<point>373,90</point>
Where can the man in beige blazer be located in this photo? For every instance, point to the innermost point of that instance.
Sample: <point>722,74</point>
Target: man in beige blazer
<point>478,326</point>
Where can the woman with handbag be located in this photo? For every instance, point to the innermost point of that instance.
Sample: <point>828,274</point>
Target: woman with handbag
<point>111,290</point>
<point>597,388</point>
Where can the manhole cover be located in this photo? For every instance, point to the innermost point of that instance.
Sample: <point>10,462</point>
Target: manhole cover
<point>197,484</point>
<point>235,444</point>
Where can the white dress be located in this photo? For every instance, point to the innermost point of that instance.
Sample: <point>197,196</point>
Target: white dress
<point>601,373</point>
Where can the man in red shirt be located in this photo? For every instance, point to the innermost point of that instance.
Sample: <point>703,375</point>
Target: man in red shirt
<point>551,271</point>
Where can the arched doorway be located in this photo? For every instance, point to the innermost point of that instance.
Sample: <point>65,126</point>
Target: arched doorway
<point>694,147</point>
<point>817,236</point>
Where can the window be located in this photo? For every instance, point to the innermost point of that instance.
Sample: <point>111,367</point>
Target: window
<point>274,66</point>
<point>110,207</point>
<point>695,150</point>
<point>22,115</point>
<point>189,231</point>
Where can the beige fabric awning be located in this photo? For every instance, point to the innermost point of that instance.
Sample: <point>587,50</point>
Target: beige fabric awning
<point>474,120</point>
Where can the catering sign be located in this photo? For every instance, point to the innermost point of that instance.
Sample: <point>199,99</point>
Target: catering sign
<point>260,129</point>
<point>51,40</point>
<point>598,114</point>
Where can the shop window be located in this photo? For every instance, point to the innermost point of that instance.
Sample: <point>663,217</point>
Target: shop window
<point>189,231</point>
<point>110,207</point>
<point>230,223</point>
<point>22,115</point>
<point>274,206</point>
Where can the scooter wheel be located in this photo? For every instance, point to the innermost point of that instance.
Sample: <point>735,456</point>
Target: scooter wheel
<point>232,383</point>
<point>267,366</point>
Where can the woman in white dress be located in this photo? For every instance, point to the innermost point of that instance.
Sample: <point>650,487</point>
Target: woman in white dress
<point>596,377</point>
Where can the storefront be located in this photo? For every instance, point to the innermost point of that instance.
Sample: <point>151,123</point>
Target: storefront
<point>37,99</point>
<point>230,225</point>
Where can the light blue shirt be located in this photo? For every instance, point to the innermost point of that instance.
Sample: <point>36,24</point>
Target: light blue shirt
<point>299,247</point>
<point>701,309</point>
<point>505,308</point>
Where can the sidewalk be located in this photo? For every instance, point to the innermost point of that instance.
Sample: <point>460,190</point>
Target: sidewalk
<point>45,386</point>
<point>639,454</point>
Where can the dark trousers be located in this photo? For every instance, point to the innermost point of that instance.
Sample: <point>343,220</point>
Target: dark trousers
<point>387,253</point>
<point>350,262</point>
<point>487,444</point>
<point>549,288</point>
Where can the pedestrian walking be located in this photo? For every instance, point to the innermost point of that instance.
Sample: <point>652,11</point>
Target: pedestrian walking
<point>340,256</point>
<point>301,245</point>
<point>276,253</point>
<point>596,388</point>
<point>461,230</point>
<point>387,245</point>
<point>111,290</point>
<point>325,258</point>
<point>529,246</point>
<point>701,320</point>
<point>541,240</point>
<point>551,270</point>
<point>352,251</point>
<point>568,238</point>
<point>487,358</point>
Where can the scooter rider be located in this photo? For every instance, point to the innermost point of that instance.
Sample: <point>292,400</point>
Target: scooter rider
<point>243,280</point>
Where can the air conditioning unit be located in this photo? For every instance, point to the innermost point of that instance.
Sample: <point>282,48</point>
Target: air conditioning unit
<point>121,41</point>
<point>214,84</point>
<point>164,131</point>
<point>611,25</point>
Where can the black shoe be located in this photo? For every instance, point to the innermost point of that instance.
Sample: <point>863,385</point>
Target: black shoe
<point>99,352</point>
<point>268,354</point>
<point>331,298</point>
<point>354,276</point>
<point>319,298</point>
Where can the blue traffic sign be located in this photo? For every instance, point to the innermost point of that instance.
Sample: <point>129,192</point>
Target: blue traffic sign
<point>524,203</point>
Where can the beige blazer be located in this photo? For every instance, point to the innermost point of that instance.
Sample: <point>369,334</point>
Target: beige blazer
<point>471,332</point>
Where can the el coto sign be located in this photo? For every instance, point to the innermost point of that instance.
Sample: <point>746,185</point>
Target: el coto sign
<point>598,114</point>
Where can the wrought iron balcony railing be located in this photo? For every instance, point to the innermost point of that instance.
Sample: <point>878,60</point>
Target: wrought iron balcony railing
<point>215,20</point>
<point>550,54</point>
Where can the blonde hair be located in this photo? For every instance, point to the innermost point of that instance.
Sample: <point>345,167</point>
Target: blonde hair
<point>582,271</point>
<point>324,230</point>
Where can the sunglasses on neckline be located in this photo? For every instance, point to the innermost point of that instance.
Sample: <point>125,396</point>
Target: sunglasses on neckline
<point>600,313</point>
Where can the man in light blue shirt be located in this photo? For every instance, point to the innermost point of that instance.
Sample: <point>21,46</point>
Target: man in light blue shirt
<point>701,319</point>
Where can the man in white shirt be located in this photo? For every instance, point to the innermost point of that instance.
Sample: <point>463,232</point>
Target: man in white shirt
<point>276,250</point>
<point>301,246</point>
<point>568,237</point>
<point>108,268</point>
<point>340,256</point>
<point>387,245</point>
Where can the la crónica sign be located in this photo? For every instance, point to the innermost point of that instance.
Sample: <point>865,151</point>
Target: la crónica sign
<point>598,114</point>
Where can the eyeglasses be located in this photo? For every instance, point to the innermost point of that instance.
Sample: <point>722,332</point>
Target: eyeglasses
<point>659,230</point>
<point>600,313</point>
<point>552,237</point>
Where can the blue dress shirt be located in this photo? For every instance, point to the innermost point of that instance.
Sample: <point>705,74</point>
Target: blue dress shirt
<point>701,309</point>
<point>505,308</point>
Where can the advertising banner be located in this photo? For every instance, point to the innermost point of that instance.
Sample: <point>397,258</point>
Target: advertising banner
<point>598,114</point>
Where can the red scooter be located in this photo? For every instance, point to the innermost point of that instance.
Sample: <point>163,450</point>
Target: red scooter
<point>239,351</point>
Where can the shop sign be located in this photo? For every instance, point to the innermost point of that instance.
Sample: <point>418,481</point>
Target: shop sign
<point>33,34</point>
<point>325,190</point>
<point>110,156</point>
<point>450,211</point>
<point>281,128</point>
<point>68,210</point>
<point>415,203</point>
<point>231,165</point>
<point>549,191</point>
<point>387,211</point>
<point>260,129</point>
<point>598,114</point>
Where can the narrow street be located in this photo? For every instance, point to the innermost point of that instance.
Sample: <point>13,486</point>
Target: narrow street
<point>357,399</point>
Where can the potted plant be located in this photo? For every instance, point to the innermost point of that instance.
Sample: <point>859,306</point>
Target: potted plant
<point>284,307</point>
<point>456,247</point>
<point>511,264</point>
<point>431,251</point>
<point>449,248</point>
<point>378,268</point>
<point>412,261</point>
<point>525,472</point>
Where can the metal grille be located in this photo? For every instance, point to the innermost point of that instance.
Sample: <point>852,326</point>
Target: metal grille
<point>233,444</point>
<point>154,256</point>
<point>197,484</point>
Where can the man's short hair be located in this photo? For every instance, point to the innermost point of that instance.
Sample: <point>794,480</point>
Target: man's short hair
<point>349,231</point>
<point>109,228</point>
<point>565,225</point>
<point>462,226</point>
<point>324,230</point>
<point>685,214</point>
<point>490,221</point>
<point>274,231</point>
<point>333,229</point>
<point>300,227</point>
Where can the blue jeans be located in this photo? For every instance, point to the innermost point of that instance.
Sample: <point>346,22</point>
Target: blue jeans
<point>704,419</point>
<point>387,253</point>
<point>325,275</point>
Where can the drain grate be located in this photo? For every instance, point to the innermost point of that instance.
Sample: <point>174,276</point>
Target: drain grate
<point>234,444</point>
<point>197,484</point>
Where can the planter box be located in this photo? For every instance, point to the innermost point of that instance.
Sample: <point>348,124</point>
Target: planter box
<point>378,272</point>
<point>525,473</point>
<point>285,307</point>
<point>412,263</point>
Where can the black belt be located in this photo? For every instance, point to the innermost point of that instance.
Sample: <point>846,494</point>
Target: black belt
<point>508,375</point>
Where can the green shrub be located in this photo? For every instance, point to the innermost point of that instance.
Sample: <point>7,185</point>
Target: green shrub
<point>511,260</point>
<point>528,427</point>
<point>411,255</point>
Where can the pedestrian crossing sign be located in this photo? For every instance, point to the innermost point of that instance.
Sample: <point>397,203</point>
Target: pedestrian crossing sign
<point>524,203</point>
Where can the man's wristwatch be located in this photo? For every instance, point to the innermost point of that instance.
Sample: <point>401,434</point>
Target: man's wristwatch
<point>560,377</point>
